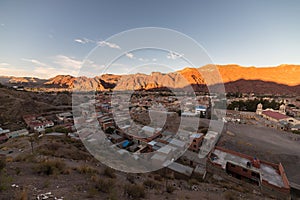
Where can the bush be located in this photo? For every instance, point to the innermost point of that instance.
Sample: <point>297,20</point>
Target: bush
<point>84,169</point>
<point>170,188</point>
<point>49,167</point>
<point>109,172</point>
<point>229,195</point>
<point>105,185</point>
<point>22,195</point>
<point>158,177</point>
<point>151,184</point>
<point>25,158</point>
<point>296,132</point>
<point>193,182</point>
<point>130,178</point>
<point>134,191</point>
<point>2,163</point>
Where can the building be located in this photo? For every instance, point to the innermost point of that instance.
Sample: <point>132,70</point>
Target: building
<point>17,133</point>
<point>37,124</point>
<point>209,142</point>
<point>201,110</point>
<point>196,142</point>
<point>277,118</point>
<point>237,167</point>
<point>178,170</point>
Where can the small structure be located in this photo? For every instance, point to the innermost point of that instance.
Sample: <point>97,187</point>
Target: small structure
<point>201,110</point>
<point>269,177</point>
<point>179,170</point>
<point>38,124</point>
<point>209,142</point>
<point>196,142</point>
<point>17,133</point>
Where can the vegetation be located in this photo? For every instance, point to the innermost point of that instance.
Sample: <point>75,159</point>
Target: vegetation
<point>170,188</point>
<point>151,184</point>
<point>296,132</point>
<point>251,105</point>
<point>58,129</point>
<point>104,185</point>
<point>49,167</point>
<point>2,164</point>
<point>134,191</point>
<point>109,172</point>
<point>84,169</point>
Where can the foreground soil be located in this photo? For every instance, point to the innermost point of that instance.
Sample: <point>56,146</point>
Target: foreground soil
<point>60,168</point>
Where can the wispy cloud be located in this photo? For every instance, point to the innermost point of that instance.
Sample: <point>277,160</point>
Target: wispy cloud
<point>143,59</point>
<point>35,62</point>
<point>173,55</point>
<point>108,44</point>
<point>84,40</point>
<point>129,55</point>
<point>67,62</point>
<point>2,24</point>
<point>4,64</point>
<point>101,43</point>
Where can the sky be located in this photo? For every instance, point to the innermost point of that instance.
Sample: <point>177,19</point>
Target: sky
<point>51,37</point>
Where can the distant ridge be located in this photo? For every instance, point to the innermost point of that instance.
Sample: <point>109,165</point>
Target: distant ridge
<point>282,79</point>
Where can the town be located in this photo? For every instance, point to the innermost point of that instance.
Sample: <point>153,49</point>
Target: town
<point>147,127</point>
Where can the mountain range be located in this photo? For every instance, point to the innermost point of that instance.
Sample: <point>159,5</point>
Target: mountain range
<point>282,79</point>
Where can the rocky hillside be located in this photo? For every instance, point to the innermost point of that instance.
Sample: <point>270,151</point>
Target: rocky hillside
<point>283,79</point>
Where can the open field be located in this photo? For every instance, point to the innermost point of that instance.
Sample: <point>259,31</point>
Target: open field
<point>266,144</point>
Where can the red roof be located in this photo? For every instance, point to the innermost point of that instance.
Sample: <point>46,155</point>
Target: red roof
<point>274,115</point>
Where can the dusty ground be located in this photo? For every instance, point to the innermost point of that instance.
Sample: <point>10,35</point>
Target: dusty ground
<point>78,177</point>
<point>266,144</point>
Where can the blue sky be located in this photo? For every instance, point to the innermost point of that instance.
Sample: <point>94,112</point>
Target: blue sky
<point>46,38</point>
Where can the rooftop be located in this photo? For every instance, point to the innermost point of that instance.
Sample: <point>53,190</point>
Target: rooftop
<point>182,169</point>
<point>267,172</point>
<point>275,115</point>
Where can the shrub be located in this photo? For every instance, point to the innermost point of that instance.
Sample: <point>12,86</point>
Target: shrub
<point>25,158</point>
<point>193,182</point>
<point>49,167</point>
<point>229,195</point>
<point>84,169</point>
<point>130,178</point>
<point>158,177</point>
<point>2,163</point>
<point>134,191</point>
<point>22,195</point>
<point>170,188</point>
<point>109,172</point>
<point>105,185</point>
<point>151,184</point>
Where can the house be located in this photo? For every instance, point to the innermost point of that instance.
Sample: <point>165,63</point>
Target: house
<point>209,142</point>
<point>115,138</point>
<point>196,142</point>
<point>65,117</point>
<point>237,167</point>
<point>178,170</point>
<point>17,133</point>
<point>38,124</point>
<point>277,118</point>
<point>201,110</point>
